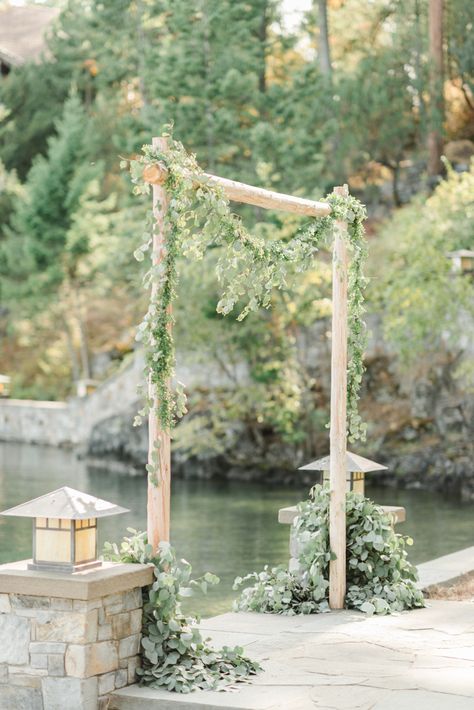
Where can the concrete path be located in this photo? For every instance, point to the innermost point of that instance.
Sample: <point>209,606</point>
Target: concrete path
<point>447,568</point>
<point>421,660</point>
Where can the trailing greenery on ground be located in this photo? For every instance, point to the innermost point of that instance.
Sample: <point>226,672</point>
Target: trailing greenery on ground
<point>249,268</point>
<point>380,579</point>
<point>175,656</point>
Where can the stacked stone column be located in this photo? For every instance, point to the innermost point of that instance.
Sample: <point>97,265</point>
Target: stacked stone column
<point>67,641</point>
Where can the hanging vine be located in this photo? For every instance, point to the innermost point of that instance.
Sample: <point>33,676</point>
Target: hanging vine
<point>249,268</point>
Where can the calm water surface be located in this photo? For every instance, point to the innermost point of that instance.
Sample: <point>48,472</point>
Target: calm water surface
<point>229,528</point>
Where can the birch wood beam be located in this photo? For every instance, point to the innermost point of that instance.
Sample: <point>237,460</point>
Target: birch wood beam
<point>240,192</point>
<point>338,431</point>
<point>159,485</point>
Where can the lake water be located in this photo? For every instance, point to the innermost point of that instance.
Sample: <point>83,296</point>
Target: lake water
<point>227,527</point>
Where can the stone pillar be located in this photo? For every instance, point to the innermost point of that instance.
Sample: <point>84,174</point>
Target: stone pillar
<point>67,641</point>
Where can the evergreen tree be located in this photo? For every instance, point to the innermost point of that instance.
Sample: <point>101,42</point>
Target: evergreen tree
<point>31,98</point>
<point>212,78</point>
<point>460,35</point>
<point>52,192</point>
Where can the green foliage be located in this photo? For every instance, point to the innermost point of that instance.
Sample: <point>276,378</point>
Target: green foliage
<point>216,53</point>
<point>26,118</point>
<point>380,109</point>
<point>175,656</point>
<point>263,378</point>
<point>460,23</point>
<point>52,193</point>
<point>11,191</point>
<point>249,267</point>
<point>245,94</point>
<point>425,305</point>
<point>380,579</point>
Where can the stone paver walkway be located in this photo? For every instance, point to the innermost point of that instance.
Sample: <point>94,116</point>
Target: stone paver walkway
<point>420,660</point>
<point>447,568</point>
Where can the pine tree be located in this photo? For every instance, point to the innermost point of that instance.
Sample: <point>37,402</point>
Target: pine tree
<point>26,116</point>
<point>53,189</point>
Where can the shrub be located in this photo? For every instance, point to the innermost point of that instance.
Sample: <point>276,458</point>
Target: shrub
<point>174,654</point>
<point>380,579</point>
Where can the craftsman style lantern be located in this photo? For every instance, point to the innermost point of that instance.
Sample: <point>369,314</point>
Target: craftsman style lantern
<point>85,387</point>
<point>356,468</point>
<point>4,386</point>
<point>65,529</point>
<point>462,261</point>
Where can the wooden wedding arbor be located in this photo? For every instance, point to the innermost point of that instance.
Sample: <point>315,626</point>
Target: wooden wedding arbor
<point>158,505</point>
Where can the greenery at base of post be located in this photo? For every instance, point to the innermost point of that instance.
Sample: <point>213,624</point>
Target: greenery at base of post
<point>175,656</point>
<point>380,579</point>
<point>250,269</point>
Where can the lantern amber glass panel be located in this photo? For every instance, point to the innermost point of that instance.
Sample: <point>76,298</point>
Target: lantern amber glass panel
<point>60,541</point>
<point>355,481</point>
<point>85,541</point>
<point>52,541</point>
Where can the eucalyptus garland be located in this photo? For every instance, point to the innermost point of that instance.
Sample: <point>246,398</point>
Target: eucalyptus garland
<point>249,268</point>
<point>380,578</point>
<point>175,656</point>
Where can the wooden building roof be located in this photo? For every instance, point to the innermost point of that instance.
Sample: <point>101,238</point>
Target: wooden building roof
<point>22,32</point>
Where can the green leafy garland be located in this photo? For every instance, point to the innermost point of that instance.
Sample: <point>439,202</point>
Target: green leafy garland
<point>175,656</point>
<point>199,217</point>
<point>380,579</point>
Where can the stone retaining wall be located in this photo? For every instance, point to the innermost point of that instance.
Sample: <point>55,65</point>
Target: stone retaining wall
<point>58,653</point>
<point>48,423</point>
<point>69,423</point>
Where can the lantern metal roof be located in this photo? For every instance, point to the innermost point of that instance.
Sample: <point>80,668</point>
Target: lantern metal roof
<point>462,253</point>
<point>353,463</point>
<point>66,503</point>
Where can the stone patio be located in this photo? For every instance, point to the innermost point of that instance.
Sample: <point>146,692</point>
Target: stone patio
<point>422,659</point>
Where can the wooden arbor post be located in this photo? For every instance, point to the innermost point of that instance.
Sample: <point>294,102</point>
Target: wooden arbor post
<point>159,495</point>
<point>338,431</point>
<point>159,442</point>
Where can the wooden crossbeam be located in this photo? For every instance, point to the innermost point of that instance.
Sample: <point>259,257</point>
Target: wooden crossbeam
<point>250,195</point>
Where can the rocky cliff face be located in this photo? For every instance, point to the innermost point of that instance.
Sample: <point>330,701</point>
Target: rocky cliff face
<point>431,445</point>
<point>423,433</point>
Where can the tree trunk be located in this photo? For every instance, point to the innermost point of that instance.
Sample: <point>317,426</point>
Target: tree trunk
<point>418,68</point>
<point>263,37</point>
<point>71,350</point>
<point>208,108</point>
<point>81,327</point>
<point>435,139</point>
<point>395,184</point>
<point>324,52</point>
<point>141,54</point>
